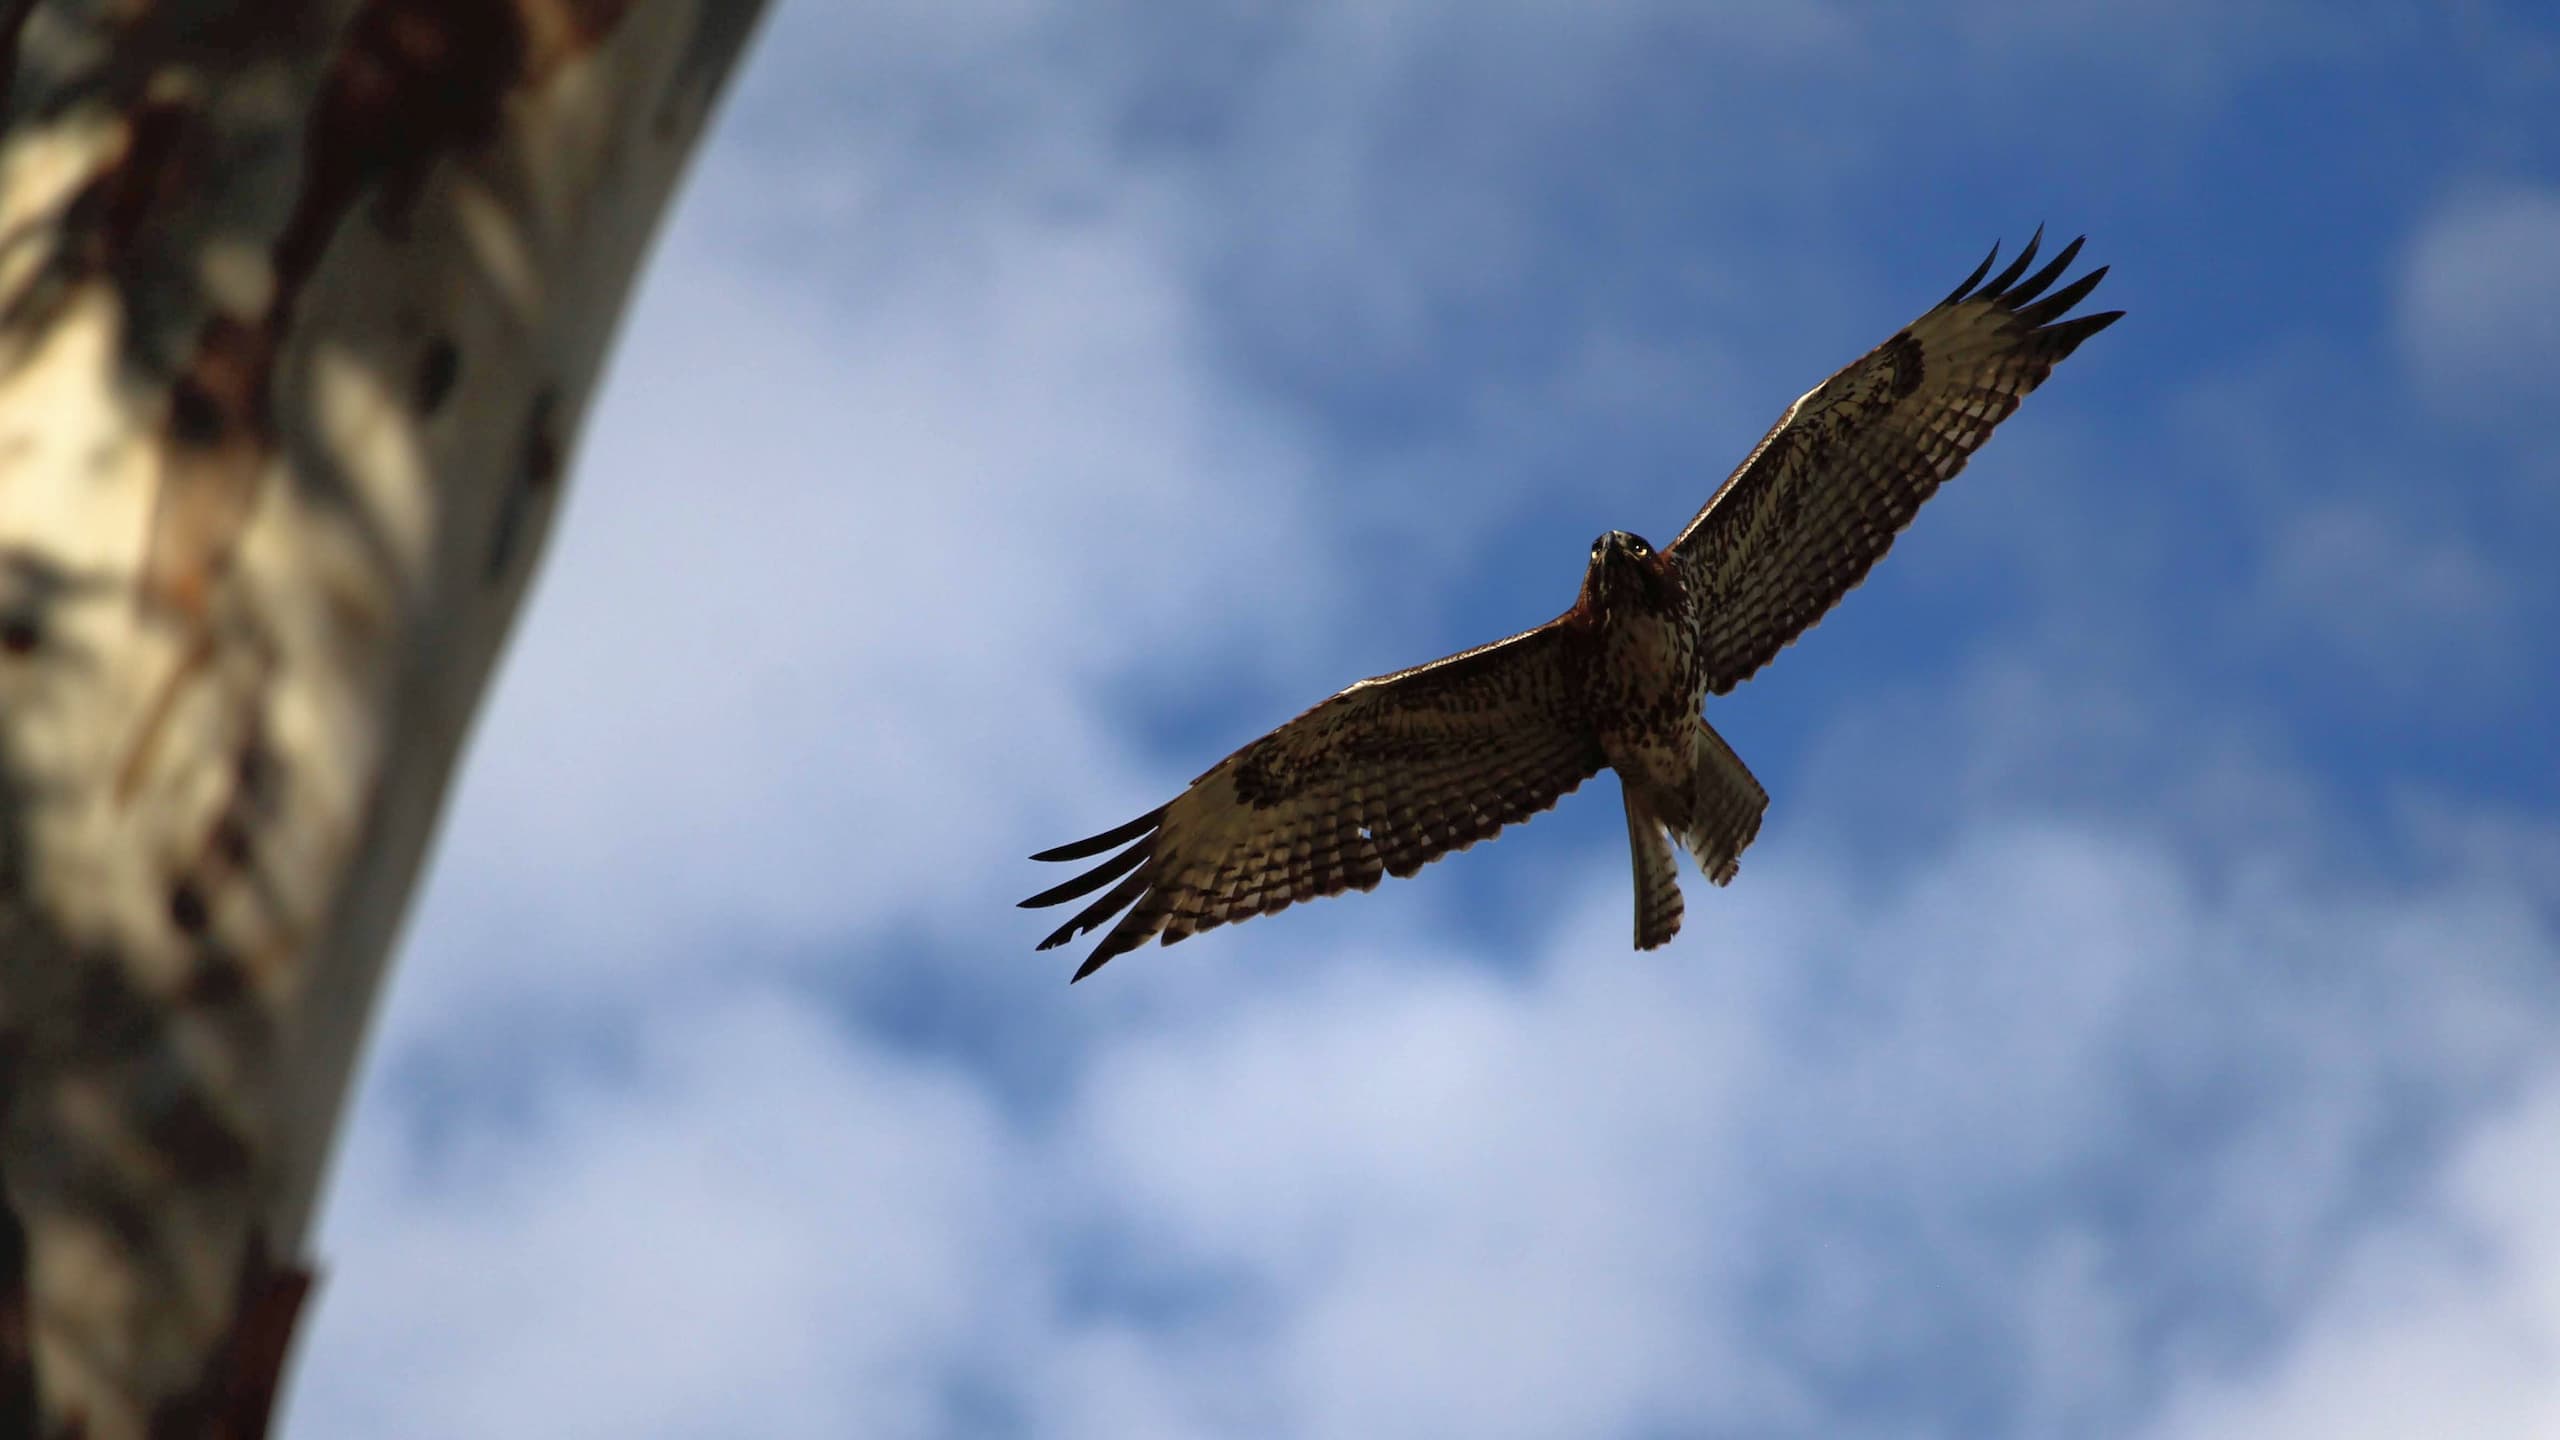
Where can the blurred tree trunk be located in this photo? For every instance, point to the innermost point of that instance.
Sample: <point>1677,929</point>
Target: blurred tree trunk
<point>301,303</point>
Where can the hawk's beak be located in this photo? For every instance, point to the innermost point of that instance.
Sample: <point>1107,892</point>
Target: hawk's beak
<point>1622,569</point>
<point>1604,573</point>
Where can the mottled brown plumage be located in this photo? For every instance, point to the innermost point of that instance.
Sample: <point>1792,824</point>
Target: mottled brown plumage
<point>1397,771</point>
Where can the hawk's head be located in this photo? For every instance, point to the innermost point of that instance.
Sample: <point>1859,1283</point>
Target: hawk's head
<point>1626,572</point>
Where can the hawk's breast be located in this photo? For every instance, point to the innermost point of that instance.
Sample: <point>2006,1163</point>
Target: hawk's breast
<point>1646,684</point>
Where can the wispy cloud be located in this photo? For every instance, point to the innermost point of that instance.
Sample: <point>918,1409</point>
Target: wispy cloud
<point>2411,611</point>
<point>858,547</point>
<point>1811,1177</point>
<point>740,1226</point>
<point>2480,303</point>
<point>2445,1321</point>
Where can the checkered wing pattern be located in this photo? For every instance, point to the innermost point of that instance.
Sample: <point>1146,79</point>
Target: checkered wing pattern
<point>1822,496</point>
<point>1381,779</point>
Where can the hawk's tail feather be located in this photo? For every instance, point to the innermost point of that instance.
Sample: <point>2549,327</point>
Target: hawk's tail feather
<point>1658,903</point>
<point>1725,806</point>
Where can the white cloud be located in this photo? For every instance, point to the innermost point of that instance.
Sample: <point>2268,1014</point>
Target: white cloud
<point>741,1227</point>
<point>805,629</point>
<point>2480,304</point>
<point>1513,1191</point>
<point>2414,611</point>
<point>2191,51</point>
<point>1843,1132</point>
<point>2446,1323</point>
<point>1850,1130</point>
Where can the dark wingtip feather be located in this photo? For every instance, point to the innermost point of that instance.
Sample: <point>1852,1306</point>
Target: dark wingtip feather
<point>1120,897</point>
<point>2060,340</point>
<point>1975,278</point>
<point>1111,839</point>
<point>2034,285</point>
<point>1112,947</point>
<point>1093,879</point>
<point>2001,282</point>
<point>2054,305</point>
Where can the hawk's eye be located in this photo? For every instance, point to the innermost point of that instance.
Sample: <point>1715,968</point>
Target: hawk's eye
<point>1637,546</point>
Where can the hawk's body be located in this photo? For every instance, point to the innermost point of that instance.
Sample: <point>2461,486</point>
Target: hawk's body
<point>1395,772</point>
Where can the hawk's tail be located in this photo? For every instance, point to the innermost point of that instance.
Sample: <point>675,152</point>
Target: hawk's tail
<point>1658,902</point>
<point>1725,805</point>
<point>1715,817</point>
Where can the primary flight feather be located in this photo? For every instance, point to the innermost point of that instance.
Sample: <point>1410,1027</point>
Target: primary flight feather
<point>1395,772</point>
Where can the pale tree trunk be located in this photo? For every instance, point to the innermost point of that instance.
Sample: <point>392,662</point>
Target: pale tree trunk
<point>301,303</point>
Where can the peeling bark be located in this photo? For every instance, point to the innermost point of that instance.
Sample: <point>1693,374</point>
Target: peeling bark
<point>301,303</point>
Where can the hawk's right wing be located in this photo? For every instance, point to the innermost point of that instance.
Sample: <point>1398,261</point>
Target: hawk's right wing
<point>1381,779</point>
<point>1848,465</point>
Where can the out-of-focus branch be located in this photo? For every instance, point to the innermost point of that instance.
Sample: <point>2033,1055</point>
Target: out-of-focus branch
<point>301,303</point>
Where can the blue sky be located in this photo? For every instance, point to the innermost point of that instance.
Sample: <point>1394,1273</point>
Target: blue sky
<point>2140,1016</point>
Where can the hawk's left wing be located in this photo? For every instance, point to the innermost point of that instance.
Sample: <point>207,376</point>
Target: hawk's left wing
<point>1382,779</point>
<point>1825,492</point>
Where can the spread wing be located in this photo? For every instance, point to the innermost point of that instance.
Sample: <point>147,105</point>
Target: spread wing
<point>1826,490</point>
<point>1382,779</point>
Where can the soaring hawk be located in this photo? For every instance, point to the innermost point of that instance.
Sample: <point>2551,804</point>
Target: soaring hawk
<point>1396,772</point>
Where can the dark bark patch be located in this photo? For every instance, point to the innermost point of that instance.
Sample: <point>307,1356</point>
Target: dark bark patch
<point>13,23</point>
<point>253,770</point>
<point>438,370</point>
<point>201,1147</point>
<point>225,389</point>
<point>541,455</point>
<point>220,430</point>
<point>17,1329</point>
<point>32,588</point>
<point>188,909</point>
<point>230,843</point>
<point>412,81</point>
<point>195,417</point>
<point>218,979</point>
<point>235,1398</point>
<point>149,172</point>
<point>100,230</point>
<point>569,29</point>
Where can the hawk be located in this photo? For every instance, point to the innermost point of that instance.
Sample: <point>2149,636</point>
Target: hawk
<point>1395,772</point>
